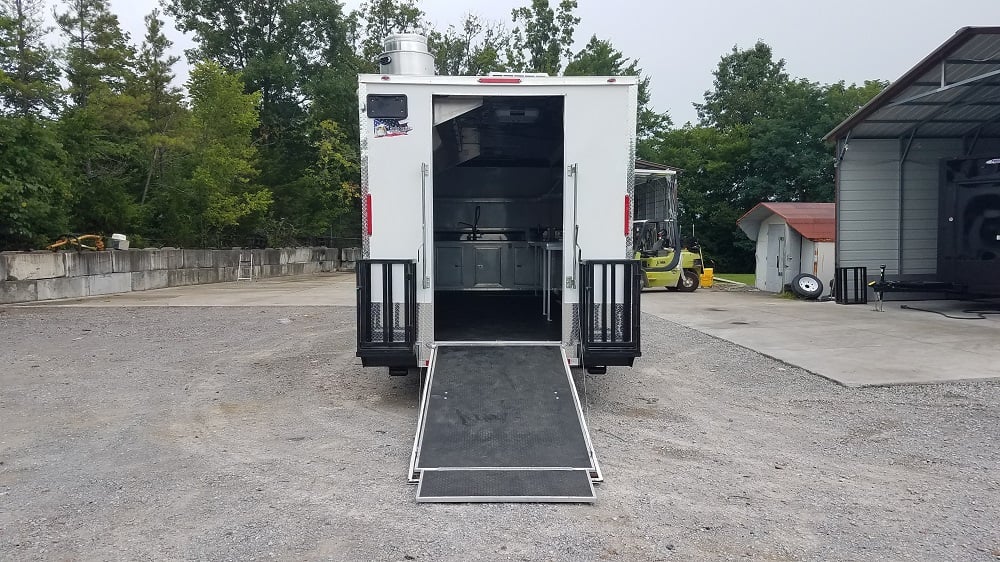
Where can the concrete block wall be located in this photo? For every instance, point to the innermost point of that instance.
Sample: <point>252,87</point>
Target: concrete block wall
<point>38,276</point>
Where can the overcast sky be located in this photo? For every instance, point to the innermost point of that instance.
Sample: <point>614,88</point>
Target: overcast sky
<point>679,42</point>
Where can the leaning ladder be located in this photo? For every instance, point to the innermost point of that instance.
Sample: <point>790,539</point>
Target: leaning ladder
<point>244,271</point>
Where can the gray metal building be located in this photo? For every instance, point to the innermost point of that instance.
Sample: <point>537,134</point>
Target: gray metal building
<point>918,171</point>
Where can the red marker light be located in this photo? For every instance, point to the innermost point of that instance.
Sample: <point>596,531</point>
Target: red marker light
<point>499,80</point>
<point>368,213</point>
<point>628,214</point>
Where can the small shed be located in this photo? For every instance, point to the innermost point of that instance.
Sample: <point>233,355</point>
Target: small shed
<point>918,171</point>
<point>792,238</point>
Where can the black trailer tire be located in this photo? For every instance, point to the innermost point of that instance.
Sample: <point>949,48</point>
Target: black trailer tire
<point>688,282</point>
<point>807,286</point>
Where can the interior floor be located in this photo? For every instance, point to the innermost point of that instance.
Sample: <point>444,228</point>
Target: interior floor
<point>485,316</point>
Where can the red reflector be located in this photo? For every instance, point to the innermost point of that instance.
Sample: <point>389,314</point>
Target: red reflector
<point>368,213</point>
<point>499,80</point>
<point>386,78</point>
<point>628,213</point>
<point>612,80</point>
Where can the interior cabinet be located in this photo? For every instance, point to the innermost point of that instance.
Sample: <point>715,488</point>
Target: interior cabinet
<point>477,265</point>
<point>448,265</point>
<point>489,266</point>
<point>525,274</point>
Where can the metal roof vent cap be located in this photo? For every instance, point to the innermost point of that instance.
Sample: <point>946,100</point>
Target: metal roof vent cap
<point>406,53</point>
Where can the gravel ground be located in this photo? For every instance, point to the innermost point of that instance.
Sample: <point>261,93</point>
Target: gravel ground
<point>246,433</point>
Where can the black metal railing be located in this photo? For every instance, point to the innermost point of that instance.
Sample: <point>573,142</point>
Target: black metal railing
<point>850,285</point>
<point>609,314</point>
<point>387,312</point>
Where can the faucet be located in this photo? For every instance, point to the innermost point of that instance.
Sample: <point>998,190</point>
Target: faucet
<point>474,225</point>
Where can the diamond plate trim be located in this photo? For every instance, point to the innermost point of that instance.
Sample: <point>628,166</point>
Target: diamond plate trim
<point>574,335</point>
<point>630,186</point>
<point>617,323</point>
<point>375,321</point>
<point>398,333</point>
<point>365,242</point>
<point>425,331</point>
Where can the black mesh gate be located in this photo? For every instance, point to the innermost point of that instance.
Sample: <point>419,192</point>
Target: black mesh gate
<point>609,315</point>
<point>387,312</point>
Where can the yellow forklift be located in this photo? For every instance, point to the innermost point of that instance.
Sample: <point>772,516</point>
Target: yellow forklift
<point>666,261</point>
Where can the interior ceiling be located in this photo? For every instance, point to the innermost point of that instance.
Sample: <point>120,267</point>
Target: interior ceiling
<point>953,93</point>
<point>510,131</point>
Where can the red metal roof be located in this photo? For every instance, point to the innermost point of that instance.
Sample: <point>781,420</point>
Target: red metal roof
<point>815,221</point>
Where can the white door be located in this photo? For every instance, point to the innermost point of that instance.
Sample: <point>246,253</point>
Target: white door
<point>773,279</point>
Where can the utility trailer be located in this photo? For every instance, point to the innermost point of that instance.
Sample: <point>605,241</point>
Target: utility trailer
<point>496,256</point>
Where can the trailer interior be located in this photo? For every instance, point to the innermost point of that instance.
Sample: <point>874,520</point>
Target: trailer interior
<point>498,191</point>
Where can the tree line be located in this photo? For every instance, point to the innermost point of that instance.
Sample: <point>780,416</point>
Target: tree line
<point>260,144</point>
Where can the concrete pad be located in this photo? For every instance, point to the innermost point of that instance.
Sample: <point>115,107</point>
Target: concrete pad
<point>851,344</point>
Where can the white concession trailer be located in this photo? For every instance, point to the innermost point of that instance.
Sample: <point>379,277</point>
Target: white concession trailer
<point>497,255</point>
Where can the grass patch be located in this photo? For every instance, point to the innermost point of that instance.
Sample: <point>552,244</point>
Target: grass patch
<point>747,278</point>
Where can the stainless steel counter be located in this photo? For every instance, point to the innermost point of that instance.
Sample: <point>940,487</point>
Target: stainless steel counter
<point>483,265</point>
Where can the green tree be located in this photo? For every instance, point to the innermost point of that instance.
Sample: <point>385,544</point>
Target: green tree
<point>162,101</point>
<point>28,71</point>
<point>107,161</point>
<point>747,88</point>
<point>714,164</point>
<point>257,40</point>
<point>377,19</point>
<point>213,187</point>
<point>328,194</point>
<point>760,139</point>
<point>298,55</point>
<point>843,100</point>
<point>102,130</point>
<point>34,189</point>
<point>97,50</point>
<point>600,58</point>
<point>543,38</point>
<point>472,49</point>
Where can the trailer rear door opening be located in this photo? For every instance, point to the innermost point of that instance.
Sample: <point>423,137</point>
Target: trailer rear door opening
<point>498,193</point>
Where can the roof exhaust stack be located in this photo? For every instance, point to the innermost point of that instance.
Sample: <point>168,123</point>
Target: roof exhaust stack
<point>406,53</point>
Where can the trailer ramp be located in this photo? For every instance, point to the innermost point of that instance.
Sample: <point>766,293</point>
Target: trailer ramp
<point>501,422</point>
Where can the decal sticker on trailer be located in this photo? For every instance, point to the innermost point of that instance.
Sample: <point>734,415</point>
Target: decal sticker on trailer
<point>391,128</point>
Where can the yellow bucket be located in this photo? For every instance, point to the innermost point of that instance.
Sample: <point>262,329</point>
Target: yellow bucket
<point>708,277</point>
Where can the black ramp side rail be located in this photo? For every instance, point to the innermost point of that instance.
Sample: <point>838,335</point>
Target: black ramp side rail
<point>609,315</point>
<point>387,312</point>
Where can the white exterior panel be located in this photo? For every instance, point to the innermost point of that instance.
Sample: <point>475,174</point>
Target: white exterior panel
<point>394,172</point>
<point>599,149</point>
